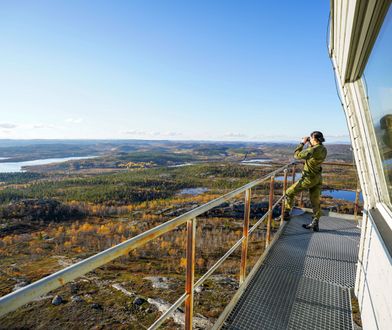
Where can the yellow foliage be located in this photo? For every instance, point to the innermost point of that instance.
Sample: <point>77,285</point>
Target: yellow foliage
<point>200,262</point>
<point>74,240</point>
<point>67,244</point>
<point>78,249</point>
<point>8,240</point>
<point>103,230</point>
<point>165,244</point>
<point>120,229</point>
<point>59,231</point>
<point>86,227</point>
<point>183,262</point>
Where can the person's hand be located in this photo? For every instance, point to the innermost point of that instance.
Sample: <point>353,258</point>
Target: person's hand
<point>305,139</point>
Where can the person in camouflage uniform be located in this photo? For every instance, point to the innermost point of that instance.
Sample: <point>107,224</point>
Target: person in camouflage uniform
<point>311,180</point>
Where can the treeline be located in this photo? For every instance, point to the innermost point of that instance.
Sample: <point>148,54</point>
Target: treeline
<point>117,160</point>
<point>158,157</point>
<point>109,195</point>
<point>40,210</point>
<point>115,189</point>
<point>19,177</point>
<point>49,150</point>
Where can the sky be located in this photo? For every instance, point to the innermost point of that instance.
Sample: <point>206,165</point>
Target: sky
<point>166,69</point>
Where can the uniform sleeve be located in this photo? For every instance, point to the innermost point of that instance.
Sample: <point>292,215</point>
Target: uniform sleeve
<point>299,153</point>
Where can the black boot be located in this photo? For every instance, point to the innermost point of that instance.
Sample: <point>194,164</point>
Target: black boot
<point>316,225</point>
<point>313,225</point>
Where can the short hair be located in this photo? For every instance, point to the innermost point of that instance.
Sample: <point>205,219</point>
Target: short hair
<point>318,136</point>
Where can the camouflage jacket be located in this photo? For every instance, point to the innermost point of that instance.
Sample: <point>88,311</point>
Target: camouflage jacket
<point>313,157</point>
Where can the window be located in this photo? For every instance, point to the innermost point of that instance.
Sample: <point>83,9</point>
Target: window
<point>378,75</point>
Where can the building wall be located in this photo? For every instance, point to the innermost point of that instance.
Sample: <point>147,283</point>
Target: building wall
<point>354,28</point>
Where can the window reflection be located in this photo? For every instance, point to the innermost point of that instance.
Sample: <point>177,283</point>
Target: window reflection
<point>378,75</point>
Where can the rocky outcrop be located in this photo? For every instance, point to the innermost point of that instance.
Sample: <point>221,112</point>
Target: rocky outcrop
<point>178,316</point>
<point>159,282</point>
<point>57,300</point>
<point>119,287</point>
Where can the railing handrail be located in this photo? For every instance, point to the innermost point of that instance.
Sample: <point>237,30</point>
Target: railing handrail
<point>26,294</point>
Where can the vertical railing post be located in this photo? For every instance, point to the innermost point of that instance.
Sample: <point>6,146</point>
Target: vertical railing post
<point>190,271</point>
<point>301,199</point>
<point>244,251</point>
<point>271,200</point>
<point>284,193</point>
<point>293,175</point>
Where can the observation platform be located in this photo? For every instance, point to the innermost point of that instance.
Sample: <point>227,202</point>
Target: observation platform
<point>304,281</point>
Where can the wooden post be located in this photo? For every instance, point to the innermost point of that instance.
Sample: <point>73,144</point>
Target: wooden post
<point>190,271</point>
<point>301,199</point>
<point>284,193</point>
<point>271,200</point>
<point>244,251</point>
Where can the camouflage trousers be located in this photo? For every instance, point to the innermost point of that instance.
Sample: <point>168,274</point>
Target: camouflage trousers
<point>313,184</point>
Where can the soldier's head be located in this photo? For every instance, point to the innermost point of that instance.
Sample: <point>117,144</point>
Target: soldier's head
<point>316,137</point>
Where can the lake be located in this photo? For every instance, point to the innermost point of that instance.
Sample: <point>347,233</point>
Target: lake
<point>289,177</point>
<point>257,162</point>
<point>181,165</point>
<point>17,166</point>
<point>192,191</point>
<point>347,195</point>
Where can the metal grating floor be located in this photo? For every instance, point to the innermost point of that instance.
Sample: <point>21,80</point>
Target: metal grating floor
<point>305,280</point>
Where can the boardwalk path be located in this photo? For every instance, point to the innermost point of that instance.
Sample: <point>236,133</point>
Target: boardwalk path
<point>305,280</point>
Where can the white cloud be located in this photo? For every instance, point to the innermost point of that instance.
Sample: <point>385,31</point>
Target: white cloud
<point>139,132</point>
<point>235,135</point>
<point>8,125</point>
<point>74,120</point>
<point>134,132</point>
<point>172,134</point>
<point>42,126</point>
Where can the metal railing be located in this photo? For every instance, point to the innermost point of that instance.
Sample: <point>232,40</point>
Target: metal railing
<point>30,292</point>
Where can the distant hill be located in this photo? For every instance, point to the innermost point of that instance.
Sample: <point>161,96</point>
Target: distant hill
<point>133,150</point>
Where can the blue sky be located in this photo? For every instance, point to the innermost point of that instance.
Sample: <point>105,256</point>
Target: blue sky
<point>205,70</point>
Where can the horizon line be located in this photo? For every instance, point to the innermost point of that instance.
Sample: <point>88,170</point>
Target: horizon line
<point>291,141</point>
